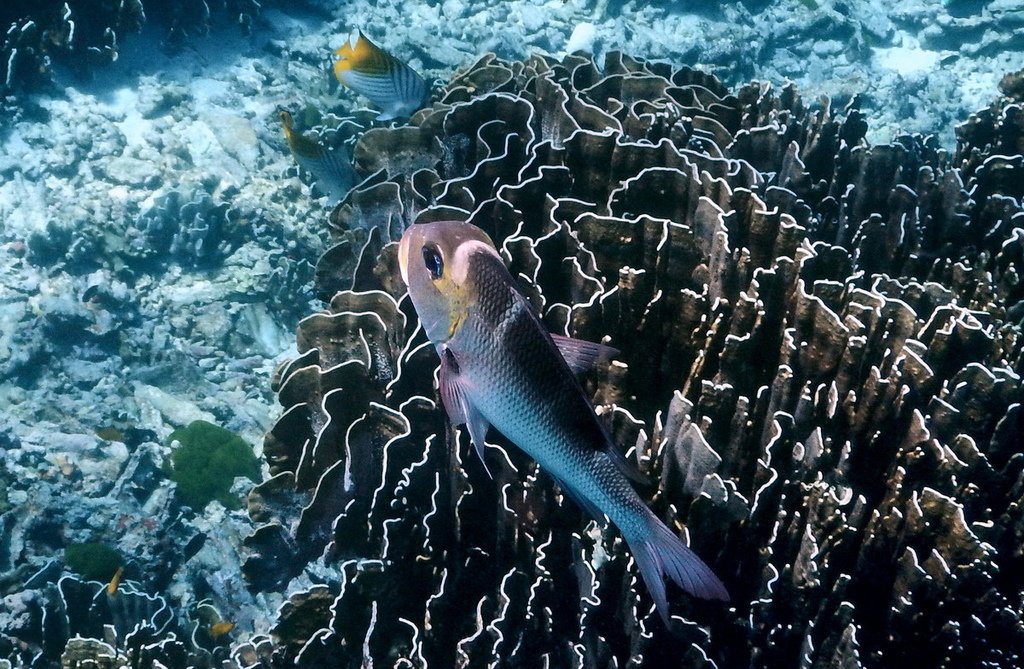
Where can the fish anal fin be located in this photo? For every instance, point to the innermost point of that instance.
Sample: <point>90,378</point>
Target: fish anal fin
<point>458,407</point>
<point>588,507</point>
<point>582,355</point>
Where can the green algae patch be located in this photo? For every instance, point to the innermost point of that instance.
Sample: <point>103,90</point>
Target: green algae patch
<point>206,463</point>
<point>93,561</point>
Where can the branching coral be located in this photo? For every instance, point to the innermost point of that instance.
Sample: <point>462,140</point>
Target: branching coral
<point>820,367</point>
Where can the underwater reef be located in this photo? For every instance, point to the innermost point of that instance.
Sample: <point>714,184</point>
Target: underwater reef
<point>84,34</point>
<point>820,371</point>
<point>820,336</point>
<point>920,65</point>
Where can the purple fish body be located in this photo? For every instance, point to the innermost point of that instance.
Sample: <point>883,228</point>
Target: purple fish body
<point>500,367</point>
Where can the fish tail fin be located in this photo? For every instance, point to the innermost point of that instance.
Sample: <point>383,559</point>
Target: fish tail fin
<point>658,553</point>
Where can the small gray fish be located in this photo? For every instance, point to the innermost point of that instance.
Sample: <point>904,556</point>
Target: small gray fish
<point>500,367</point>
<point>374,73</point>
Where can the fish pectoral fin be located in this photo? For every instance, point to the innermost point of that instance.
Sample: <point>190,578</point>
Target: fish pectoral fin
<point>582,355</point>
<point>478,425</point>
<point>459,409</point>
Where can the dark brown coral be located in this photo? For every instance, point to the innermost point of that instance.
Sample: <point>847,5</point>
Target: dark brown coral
<point>81,32</point>
<point>1012,85</point>
<point>820,367</point>
<point>85,33</point>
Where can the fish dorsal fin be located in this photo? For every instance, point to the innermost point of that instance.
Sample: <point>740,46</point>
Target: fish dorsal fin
<point>582,355</point>
<point>362,55</point>
<point>457,405</point>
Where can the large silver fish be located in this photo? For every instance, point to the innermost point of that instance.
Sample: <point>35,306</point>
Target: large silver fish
<point>500,367</point>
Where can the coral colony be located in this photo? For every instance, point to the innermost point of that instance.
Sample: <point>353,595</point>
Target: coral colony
<point>818,324</point>
<point>816,367</point>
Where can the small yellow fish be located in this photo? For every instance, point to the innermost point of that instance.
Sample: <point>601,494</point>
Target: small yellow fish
<point>332,168</point>
<point>115,582</point>
<point>218,630</point>
<point>374,73</point>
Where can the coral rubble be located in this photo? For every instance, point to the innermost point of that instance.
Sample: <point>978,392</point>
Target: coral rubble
<point>820,369</point>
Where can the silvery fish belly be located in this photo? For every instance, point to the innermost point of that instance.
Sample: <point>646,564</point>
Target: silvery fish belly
<point>501,368</point>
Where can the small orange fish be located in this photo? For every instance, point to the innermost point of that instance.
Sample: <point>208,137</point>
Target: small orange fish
<point>374,73</point>
<point>115,582</point>
<point>218,630</point>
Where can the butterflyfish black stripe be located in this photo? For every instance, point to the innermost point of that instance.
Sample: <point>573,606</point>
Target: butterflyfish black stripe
<point>412,84</point>
<point>399,79</point>
<point>373,87</point>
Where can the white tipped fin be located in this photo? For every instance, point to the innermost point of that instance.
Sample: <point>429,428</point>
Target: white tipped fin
<point>582,355</point>
<point>460,410</point>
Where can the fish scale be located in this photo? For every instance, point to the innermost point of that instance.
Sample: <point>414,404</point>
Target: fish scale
<point>376,74</point>
<point>536,378</point>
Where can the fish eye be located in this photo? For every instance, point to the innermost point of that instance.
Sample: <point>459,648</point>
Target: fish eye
<point>433,262</point>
